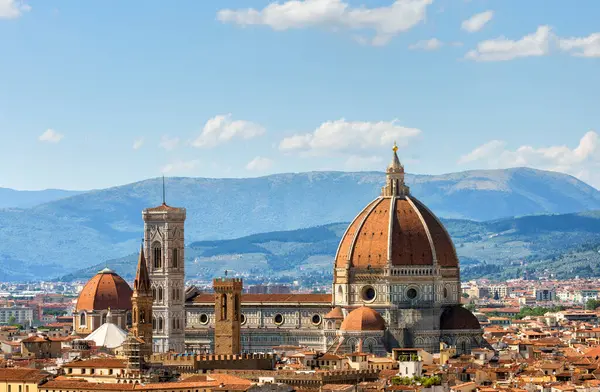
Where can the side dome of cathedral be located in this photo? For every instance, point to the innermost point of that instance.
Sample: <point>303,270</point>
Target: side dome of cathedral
<point>105,293</point>
<point>395,230</point>
<point>106,290</point>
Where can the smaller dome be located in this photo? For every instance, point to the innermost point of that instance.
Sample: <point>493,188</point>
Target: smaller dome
<point>335,313</point>
<point>363,319</point>
<point>106,290</point>
<point>457,317</point>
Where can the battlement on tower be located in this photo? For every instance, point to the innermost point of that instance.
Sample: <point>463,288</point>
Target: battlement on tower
<point>228,284</point>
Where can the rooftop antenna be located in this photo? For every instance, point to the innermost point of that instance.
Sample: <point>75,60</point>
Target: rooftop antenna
<point>164,192</point>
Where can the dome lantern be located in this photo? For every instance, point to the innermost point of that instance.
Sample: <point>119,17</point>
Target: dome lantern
<point>394,185</point>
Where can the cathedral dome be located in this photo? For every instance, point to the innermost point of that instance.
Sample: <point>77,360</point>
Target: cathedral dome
<point>363,319</point>
<point>106,290</point>
<point>395,230</point>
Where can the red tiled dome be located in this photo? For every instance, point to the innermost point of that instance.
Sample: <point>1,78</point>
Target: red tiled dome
<point>363,319</point>
<point>399,229</point>
<point>103,291</point>
<point>335,313</point>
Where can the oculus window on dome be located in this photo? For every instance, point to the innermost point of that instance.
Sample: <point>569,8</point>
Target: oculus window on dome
<point>411,293</point>
<point>203,318</point>
<point>368,294</point>
<point>278,319</point>
<point>316,319</point>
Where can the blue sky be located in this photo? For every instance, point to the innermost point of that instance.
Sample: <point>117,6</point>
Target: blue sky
<point>97,93</point>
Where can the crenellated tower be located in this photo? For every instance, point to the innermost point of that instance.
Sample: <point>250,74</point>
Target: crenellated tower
<point>228,293</point>
<point>164,247</point>
<point>141,302</point>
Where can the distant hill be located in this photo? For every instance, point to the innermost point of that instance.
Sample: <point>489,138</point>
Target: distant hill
<point>565,245</point>
<point>11,198</point>
<point>90,228</point>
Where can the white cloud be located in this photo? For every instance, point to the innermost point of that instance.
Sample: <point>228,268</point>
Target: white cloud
<point>342,135</point>
<point>10,9</point>
<point>222,128</point>
<point>482,152</point>
<point>583,46</point>
<point>502,49</point>
<point>259,164</point>
<point>477,21</point>
<point>180,166</point>
<point>168,143</point>
<point>138,143</point>
<point>357,162</point>
<point>580,161</point>
<point>428,44</point>
<point>386,22</point>
<point>51,136</point>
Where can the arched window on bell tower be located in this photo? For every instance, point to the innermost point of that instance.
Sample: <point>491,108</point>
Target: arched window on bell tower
<point>157,255</point>
<point>175,261</point>
<point>223,306</point>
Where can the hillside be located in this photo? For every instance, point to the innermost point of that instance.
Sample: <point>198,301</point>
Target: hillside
<point>566,245</point>
<point>11,198</point>
<point>90,228</point>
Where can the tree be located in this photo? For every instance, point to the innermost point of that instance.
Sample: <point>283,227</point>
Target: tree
<point>12,320</point>
<point>592,304</point>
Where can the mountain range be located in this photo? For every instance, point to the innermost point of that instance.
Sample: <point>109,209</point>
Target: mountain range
<point>66,234</point>
<point>563,245</point>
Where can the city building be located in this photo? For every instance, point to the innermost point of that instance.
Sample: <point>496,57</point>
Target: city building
<point>16,315</point>
<point>396,284</point>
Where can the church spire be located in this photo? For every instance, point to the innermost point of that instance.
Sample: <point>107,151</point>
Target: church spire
<point>395,185</point>
<point>142,278</point>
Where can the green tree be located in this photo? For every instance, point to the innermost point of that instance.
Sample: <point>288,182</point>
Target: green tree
<point>12,320</point>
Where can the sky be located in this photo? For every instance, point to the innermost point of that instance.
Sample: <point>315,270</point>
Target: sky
<point>98,93</point>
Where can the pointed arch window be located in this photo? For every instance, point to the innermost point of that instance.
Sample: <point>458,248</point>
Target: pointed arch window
<point>160,294</point>
<point>175,261</point>
<point>157,255</point>
<point>82,319</point>
<point>154,323</point>
<point>160,323</point>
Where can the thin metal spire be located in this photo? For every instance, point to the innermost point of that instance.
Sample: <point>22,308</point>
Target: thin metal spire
<point>164,192</point>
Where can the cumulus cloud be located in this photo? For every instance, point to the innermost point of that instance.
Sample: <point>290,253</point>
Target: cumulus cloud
<point>578,161</point>
<point>539,43</point>
<point>222,128</point>
<point>259,164</point>
<point>582,47</point>
<point>502,49</point>
<point>386,22</point>
<point>10,9</point>
<point>348,136</point>
<point>428,44</point>
<point>168,143</point>
<point>51,136</point>
<point>180,166</point>
<point>138,143</point>
<point>477,21</point>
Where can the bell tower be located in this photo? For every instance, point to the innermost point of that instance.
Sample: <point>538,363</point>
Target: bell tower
<point>141,301</point>
<point>228,293</point>
<point>164,248</point>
